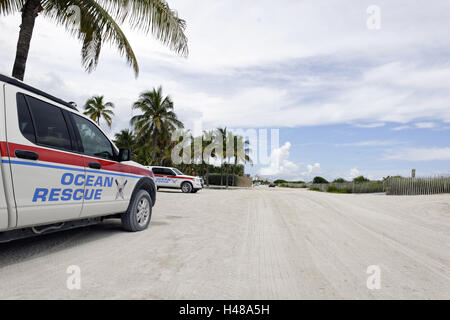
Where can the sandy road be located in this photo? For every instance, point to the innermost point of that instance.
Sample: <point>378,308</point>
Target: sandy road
<point>247,244</point>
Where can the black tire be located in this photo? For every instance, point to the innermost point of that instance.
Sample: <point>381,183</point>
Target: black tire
<point>186,187</point>
<point>130,219</point>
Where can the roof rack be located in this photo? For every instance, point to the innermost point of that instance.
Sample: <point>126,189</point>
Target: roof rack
<point>22,85</point>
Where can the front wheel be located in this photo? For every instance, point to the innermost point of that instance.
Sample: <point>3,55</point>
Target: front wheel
<point>139,213</point>
<point>186,187</point>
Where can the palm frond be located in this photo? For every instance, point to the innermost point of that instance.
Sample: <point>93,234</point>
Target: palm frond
<point>90,51</point>
<point>96,26</point>
<point>8,7</point>
<point>153,16</point>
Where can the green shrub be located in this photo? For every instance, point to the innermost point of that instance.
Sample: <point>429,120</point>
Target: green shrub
<point>318,180</point>
<point>335,189</point>
<point>368,187</point>
<point>315,189</point>
<point>360,179</point>
<point>284,185</point>
<point>278,181</point>
<point>261,181</point>
<point>339,180</point>
<point>214,179</point>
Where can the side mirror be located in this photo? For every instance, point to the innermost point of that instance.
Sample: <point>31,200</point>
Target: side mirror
<point>124,155</point>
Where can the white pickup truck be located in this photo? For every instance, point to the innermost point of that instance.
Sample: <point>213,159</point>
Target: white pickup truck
<point>59,170</point>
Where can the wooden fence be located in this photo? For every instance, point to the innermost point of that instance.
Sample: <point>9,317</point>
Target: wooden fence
<point>351,187</point>
<point>292,185</point>
<point>392,186</point>
<point>417,186</point>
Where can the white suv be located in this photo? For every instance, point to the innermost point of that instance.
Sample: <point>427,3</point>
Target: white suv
<point>58,170</point>
<point>172,178</point>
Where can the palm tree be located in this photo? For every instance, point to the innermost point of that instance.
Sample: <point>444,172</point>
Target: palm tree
<point>96,109</point>
<point>157,120</point>
<point>241,152</point>
<point>229,153</point>
<point>208,137</point>
<point>96,22</point>
<point>125,139</point>
<point>166,156</point>
<point>221,135</point>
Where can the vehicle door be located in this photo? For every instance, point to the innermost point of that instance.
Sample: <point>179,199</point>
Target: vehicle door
<point>4,179</point>
<point>3,207</point>
<point>105,182</point>
<point>171,177</point>
<point>160,179</point>
<point>42,160</point>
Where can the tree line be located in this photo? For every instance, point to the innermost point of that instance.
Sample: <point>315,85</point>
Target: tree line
<point>150,138</point>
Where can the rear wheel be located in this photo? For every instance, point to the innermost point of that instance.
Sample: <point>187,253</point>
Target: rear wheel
<point>139,213</point>
<point>186,187</point>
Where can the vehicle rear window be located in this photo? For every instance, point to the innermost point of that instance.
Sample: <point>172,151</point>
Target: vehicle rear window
<point>50,125</point>
<point>178,172</point>
<point>25,122</point>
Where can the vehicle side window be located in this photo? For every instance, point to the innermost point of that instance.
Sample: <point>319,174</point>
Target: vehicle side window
<point>25,122</point>
<point>94,141</point>
<point>156,170</point>
<point>168,172</point>
<point>51,128</point>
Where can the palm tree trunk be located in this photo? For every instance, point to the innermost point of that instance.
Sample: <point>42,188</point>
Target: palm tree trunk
<point>226,174</point>
<point>30,11</point>
<point>155,136</point>
<point>234,170</point>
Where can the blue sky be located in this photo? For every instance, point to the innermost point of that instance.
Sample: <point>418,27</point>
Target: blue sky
<point>347,100</point>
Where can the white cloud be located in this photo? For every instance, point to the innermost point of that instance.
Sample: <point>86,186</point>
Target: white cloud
<point>354,172</point>
<point>400,128</point>
<point>371,125</point>
<point>312,170</point>
<point>425,125</point>
<point>228,44</point>
<point>369,143</point>
<point>374,97</point>
<point>280,165</point>
<point>420,154</point>
<point>251,107</point>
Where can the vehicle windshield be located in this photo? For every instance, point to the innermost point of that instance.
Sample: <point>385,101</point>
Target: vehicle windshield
<point>178,172</point>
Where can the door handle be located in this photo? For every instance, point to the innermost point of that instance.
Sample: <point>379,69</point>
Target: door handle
<point>25,154</point>
<point>95,165</point>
